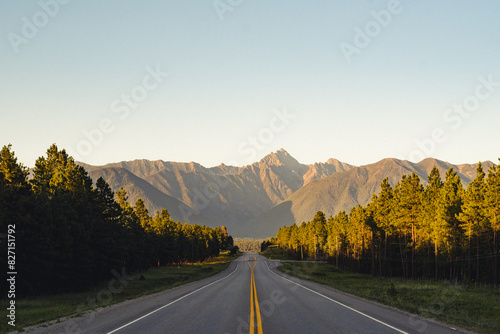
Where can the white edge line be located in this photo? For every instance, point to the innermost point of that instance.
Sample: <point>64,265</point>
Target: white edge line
<point>330,299</point>
<point>175,301</point>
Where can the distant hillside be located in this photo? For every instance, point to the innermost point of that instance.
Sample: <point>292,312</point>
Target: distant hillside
<point>154,199</point>
<point>342,191</point>
<point>255,200</point>
<point>226,195</point>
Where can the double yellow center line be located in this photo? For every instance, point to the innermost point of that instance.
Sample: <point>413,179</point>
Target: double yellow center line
<point>253,294</point>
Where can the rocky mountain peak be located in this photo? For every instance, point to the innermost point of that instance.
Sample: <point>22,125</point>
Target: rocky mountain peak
<point>224,194</point>
<point>282,158</point>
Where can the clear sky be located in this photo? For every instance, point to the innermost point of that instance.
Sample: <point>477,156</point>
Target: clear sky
<point>354,80</point>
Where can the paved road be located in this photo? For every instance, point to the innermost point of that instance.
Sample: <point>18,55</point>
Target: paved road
<point>250,297</point>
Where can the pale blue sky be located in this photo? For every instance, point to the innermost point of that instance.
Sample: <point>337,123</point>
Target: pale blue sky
<point>227,77</point>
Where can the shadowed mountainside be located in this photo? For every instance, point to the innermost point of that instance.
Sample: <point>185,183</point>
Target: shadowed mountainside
<point>226,195</point>
<point>343,191</point>
<point>256,200</point>
<point>154,199</point>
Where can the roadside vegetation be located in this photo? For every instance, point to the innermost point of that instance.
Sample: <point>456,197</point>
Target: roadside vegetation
<point>37,310</point>
<point>69,231</point>
<point>69,236</point>
<point>438,230</point>
<point>273,252</point>
<point>406,245</point>
<point>474,308</point>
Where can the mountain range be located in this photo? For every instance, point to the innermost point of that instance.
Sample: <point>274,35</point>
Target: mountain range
<point>256,200</point>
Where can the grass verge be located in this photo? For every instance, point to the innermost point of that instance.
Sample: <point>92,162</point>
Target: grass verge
<point>477,309</point>
<point>36,310</point>
<point>275,253</point>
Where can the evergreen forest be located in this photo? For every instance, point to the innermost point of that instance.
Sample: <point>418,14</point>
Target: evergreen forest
<point>439,230</point>
<point>71,233</point>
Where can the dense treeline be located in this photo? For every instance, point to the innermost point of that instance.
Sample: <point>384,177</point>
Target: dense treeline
<point>440,230</point>
<point>71,233</point>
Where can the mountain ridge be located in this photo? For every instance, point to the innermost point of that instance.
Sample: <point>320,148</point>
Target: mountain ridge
<point>255,200</point>
<point>343,191</point>
<point>154,199</point>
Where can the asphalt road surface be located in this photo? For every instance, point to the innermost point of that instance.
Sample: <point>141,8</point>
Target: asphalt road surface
<point>251,296</point>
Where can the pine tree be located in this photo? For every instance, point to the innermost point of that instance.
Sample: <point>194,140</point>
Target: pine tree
<point>302,235</point>
<point>110,242</point>
<point>429,213</point>
<point>319,232</point>
<point>409,206</point>
<point>359,231</point>
<point>70,215</point>
<point>17,213</point>
<point>14,187</point>
<point>373,233</point>
<point>143,214</point>
<point>110,208</point>
<point>13,175</point>
<point>383,205</point>
<point>134,233</point>
<point>294,238</point>
<point>493,213</point>
<point>338,236</point>
<point>473,214</point>
<point>448,208</point>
